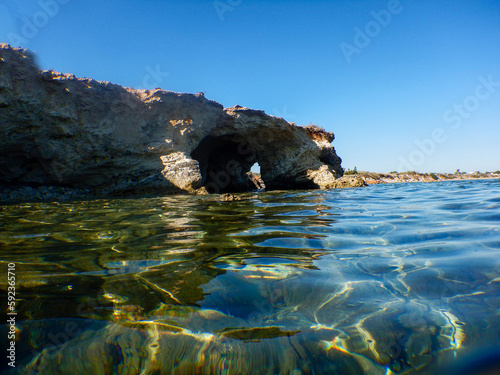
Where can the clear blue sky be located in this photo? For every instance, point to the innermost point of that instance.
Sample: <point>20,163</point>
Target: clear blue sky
<point>384,76</point>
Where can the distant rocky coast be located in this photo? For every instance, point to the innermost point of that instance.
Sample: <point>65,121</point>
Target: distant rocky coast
<point>386,178</point>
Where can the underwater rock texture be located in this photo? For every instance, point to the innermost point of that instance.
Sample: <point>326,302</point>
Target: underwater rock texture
<point>60,130</point>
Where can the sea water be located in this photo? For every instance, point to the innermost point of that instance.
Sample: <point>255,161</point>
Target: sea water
<point>396,278</point>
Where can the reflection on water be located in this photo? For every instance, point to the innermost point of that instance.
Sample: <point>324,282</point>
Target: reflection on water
<point>390,278</point>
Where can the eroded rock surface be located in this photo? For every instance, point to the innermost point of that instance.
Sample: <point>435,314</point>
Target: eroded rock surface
<point>60,130</point>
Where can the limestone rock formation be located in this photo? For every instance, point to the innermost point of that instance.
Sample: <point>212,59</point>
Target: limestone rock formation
<point>62,131</point>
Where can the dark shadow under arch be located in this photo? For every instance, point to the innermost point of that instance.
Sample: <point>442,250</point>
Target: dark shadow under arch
<point>224,164</point>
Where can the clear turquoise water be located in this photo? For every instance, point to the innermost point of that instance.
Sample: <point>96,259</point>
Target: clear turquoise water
<point>401,278</point>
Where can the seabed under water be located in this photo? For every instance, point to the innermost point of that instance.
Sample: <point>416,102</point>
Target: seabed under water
<point>398,278</point>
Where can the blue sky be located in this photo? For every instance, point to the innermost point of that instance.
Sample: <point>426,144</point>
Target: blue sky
<point>404,85</point>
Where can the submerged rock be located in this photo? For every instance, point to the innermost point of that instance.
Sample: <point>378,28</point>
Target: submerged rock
<point>228,197</point>
<point>60,130</point>
<point>348,181</point>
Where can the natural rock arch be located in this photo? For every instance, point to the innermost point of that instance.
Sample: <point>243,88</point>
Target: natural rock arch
<point>113,140</point>
<point>224,164</point>
<point>289,156</point>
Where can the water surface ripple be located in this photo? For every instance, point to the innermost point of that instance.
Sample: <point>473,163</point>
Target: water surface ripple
<point>398,278</point>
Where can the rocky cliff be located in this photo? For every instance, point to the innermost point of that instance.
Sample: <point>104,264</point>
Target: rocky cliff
<point>66,132</point>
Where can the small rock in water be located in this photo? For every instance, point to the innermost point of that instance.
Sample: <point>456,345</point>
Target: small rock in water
<point>229,198</point>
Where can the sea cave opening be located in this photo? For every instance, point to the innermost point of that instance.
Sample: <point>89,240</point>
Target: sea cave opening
<point>255,168</point>
<point>226,165</point>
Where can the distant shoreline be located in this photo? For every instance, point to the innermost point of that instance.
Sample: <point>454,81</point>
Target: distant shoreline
<point>372,178</point>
